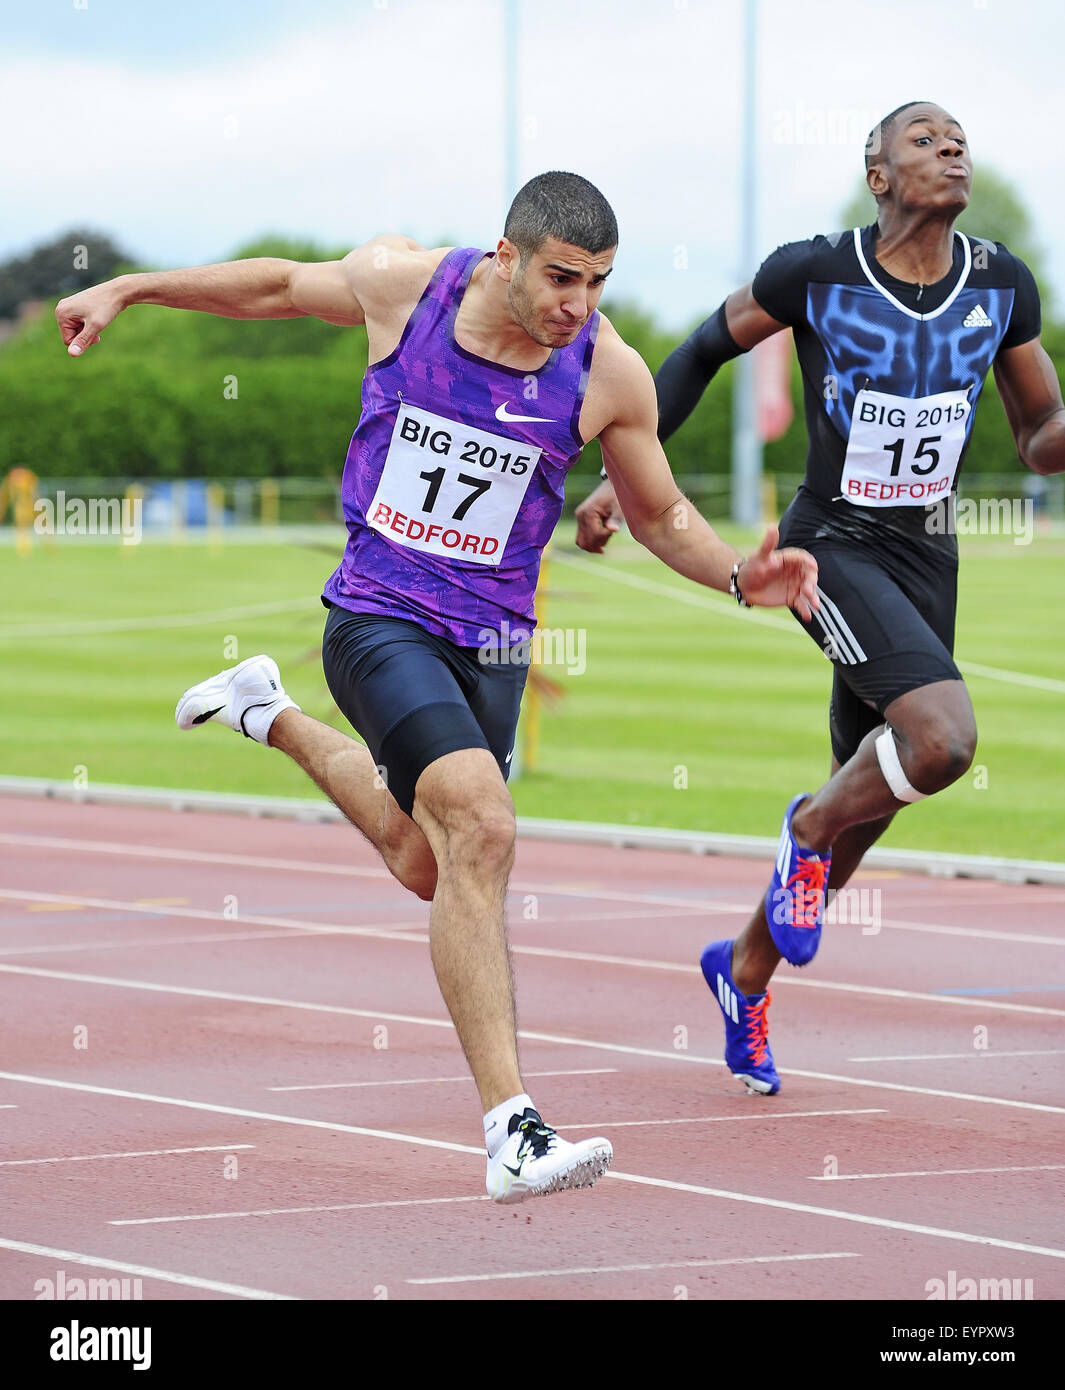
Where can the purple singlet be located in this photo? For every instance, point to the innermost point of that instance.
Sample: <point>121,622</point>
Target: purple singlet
<point>455,474</point>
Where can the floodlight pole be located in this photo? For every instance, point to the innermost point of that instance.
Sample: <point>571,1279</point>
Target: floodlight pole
<point>510,102</point>
<point>746,446</point>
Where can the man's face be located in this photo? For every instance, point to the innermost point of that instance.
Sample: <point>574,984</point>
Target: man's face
<point>926,161</point>
<point>553,294</point>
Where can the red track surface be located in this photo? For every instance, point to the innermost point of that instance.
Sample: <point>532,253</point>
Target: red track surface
<point>211,960</point>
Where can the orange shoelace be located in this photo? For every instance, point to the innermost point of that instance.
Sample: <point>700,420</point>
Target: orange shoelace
<point>808,884</point>
<point>758,1030</point>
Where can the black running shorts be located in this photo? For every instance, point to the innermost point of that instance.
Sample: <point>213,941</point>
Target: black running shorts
<point>886,619</point>
<point>415,697</point>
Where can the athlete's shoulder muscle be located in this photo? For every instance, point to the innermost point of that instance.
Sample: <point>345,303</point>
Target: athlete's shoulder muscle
<point>779,287</point>
<point>381,273</point>
<point>390,271</point>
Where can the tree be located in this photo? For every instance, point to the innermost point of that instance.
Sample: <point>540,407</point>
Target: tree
<point>995,211</point>
<point>73,261</point>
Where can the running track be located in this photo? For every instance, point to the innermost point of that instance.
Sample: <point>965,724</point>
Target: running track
<point>227,1071</point>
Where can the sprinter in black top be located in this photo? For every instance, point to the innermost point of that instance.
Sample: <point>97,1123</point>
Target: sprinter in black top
<point>896,326</point>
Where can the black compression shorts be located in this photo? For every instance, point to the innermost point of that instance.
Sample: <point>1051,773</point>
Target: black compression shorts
<point>415,697</point>
<point>886,619</point>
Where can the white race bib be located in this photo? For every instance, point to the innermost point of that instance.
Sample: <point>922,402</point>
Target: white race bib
<point>449,489</point>
<point>903,452</point>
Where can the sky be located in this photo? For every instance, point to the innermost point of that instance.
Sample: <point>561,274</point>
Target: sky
<point>186,129</point>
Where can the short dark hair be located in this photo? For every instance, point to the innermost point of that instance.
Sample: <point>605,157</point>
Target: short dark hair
<point>878,136</point>
<point>564,206</point>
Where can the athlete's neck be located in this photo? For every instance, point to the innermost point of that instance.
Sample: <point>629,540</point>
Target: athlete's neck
<point>915,246</point>
<point>485,326</point>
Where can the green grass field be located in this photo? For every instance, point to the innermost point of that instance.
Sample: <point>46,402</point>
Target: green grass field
<point>680,686</point>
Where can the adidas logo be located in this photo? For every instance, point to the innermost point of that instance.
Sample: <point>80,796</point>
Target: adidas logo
<point>727,996</point>
<point>977,319</point>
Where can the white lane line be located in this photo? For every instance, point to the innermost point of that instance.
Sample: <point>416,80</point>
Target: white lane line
<point>188,856</point>
<point>190,1281</point>
<point>883,992</point>
<point>719,1119</point>
<point>630,1269</point>
<point>402,931</point>
<point>995,673</point>
<point>790,1071</point>
<point>72,948</point>
<point>390,931</point>
<point>409,930</point>
<point>613,574</point>
<point>885,1222</point>
<point>952,1056</point>
<point>212,1109</point>
<point>433,1080</point>
<point>977,933</point>
<point>92,627</point>
<point>664,1183</point>
<point>546,889</point>
<point>138,1153</point>
<point>381,1016</point>
<point>936,1172</point>
<point>8,1107</point>
<point>292,1211</point>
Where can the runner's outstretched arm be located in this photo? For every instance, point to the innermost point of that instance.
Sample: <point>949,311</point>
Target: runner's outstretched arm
<point>1031,395</point>
<point>737,326</point>
<point>663,520</point>
<point>259,288</point>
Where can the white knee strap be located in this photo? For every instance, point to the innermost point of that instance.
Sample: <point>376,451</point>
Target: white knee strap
<point>887,755</point>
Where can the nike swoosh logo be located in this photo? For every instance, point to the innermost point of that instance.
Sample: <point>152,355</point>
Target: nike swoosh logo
<point>207,714</point>
<point>502,414</point>
<point>516,1171</point>
<point>509,756</point>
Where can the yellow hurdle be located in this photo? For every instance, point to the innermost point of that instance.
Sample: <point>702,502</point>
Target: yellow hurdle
<point>216,504</point>
<point>533,698</point>
<point>19,492</point>
<point>270,502</point>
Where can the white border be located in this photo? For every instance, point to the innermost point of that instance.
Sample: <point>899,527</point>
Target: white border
<point>897,303</point>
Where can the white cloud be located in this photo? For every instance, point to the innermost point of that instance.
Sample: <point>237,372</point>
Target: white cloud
<point>393,121</point>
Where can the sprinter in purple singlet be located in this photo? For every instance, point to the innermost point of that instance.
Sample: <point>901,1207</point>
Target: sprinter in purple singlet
<point>488,373</point>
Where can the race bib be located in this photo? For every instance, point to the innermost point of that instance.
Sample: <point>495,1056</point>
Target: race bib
<point>449,489</point>
<point>903,452</point>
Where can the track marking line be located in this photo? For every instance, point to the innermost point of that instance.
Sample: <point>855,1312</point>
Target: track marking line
<point>387,930</point>
<point>976,933</point>
<point>629,1269</point>
<point>390,931</point>
<point>292,1211</point>
<point>935,1173</point>
<point>70,845</point>
<point>615,575</point>
<point>882,1221</point>
<point>190,1281</point>
<point>664,1183</point>
<point>719,1119</point>
<point>93,627</point>
<point>528,1036</point>
<point>69,948</point>
<point>432,1080</point>
<point>139,1153</point>
<point>952,1056</point>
